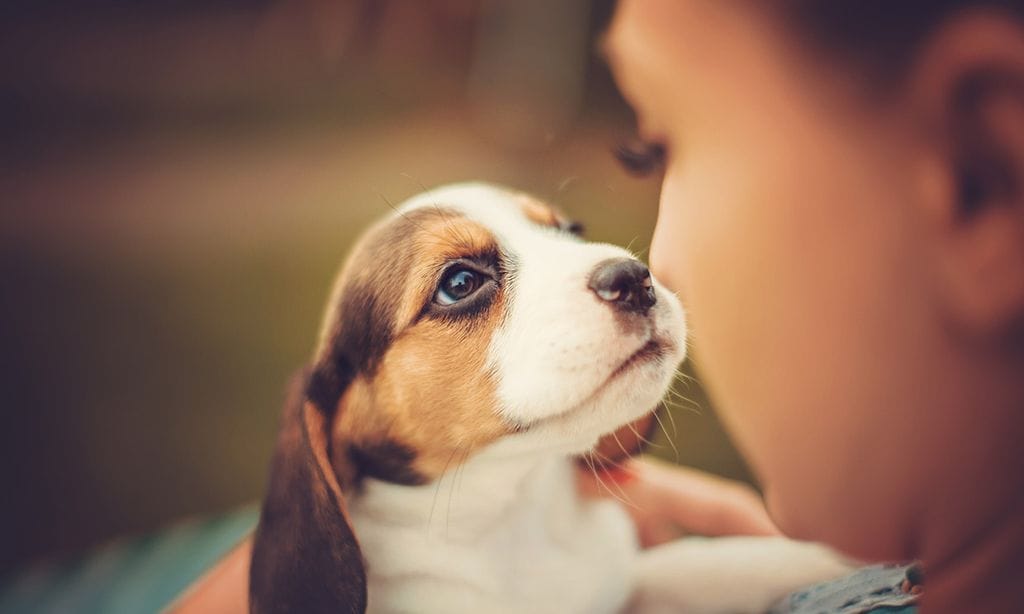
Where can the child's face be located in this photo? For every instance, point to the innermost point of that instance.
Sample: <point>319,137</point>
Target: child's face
<point>781,226</point>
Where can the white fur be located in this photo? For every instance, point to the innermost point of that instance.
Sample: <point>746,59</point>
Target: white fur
<point>506,531</point>
<point>727,574</point>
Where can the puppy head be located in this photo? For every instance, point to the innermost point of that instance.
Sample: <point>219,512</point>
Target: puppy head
<point>472,316</point>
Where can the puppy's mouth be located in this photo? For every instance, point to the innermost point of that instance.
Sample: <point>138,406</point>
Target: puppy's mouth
<point>654,348</point>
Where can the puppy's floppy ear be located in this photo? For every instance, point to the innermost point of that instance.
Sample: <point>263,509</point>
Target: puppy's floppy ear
<point>305,555</point>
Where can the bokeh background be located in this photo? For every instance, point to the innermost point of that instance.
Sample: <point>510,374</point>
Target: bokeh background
<point>179,183</point>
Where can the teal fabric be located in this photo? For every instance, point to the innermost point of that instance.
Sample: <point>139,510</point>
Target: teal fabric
<point>130,576</point>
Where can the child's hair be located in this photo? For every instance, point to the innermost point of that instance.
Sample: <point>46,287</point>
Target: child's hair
<point>877,36</point>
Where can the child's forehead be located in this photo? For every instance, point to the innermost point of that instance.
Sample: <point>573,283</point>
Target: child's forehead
<point>660,51</point>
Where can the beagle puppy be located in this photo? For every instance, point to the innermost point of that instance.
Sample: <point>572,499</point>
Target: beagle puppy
<point>474,345</point>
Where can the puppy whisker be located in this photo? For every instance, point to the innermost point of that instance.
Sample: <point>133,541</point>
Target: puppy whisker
<point>671,443</point>
<point>437,489</point>
<point>640,437</point>
<point>615,436</point>
<point>597,476</point>
<point>611,463</point>
<point>672,421</point>
<point>685,377</point>
<point>625,498</point>
<point>674,399</point>
<point>456,481</point>
<point>674,405</point>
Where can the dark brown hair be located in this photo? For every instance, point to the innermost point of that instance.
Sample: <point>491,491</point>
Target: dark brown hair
<point>878,36</point>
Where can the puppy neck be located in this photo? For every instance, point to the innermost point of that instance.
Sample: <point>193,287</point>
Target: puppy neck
<point>500,481</point>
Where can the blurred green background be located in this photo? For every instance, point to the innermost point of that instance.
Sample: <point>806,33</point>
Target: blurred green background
<point>179,183</point>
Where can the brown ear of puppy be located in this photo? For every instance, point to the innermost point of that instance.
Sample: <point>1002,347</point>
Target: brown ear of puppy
<point>305,555</point>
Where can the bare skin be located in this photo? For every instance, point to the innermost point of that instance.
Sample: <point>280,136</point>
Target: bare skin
<point>668,501</point>
<point>859,330</point>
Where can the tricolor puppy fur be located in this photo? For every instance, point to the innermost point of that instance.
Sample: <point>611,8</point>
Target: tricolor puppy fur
<point>472,347</point>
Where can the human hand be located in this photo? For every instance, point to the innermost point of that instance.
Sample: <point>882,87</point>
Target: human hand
<point>667,501</point>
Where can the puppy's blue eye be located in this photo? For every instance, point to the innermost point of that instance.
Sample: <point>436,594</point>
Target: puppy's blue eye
<point>457,285</point>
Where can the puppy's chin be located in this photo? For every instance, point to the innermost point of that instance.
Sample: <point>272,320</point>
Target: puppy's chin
<point>624,398</point>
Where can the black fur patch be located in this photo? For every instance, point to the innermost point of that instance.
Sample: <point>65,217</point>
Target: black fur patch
<point>386,460</point>
<point>327,382</point>
<point>365,313</point>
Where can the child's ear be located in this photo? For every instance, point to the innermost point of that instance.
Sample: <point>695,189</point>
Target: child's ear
<point>967,88</point>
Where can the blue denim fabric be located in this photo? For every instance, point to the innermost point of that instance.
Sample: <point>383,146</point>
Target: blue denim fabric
<point>876,589</point>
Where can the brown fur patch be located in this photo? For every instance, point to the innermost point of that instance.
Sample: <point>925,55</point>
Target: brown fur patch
<point>540,213</point>
<point>544,214</point>
<point>423,395</point>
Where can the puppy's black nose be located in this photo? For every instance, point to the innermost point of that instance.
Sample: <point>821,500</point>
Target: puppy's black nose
<point>624,283</point>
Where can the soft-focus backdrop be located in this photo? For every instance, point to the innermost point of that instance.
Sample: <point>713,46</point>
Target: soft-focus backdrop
<point>180,181</point>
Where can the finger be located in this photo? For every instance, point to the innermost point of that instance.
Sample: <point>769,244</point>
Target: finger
<point>701,503</point>
<point>594,481</point>
<point>656,531</point>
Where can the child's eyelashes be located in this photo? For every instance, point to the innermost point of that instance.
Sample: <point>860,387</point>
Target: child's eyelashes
<point>640,158</point>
